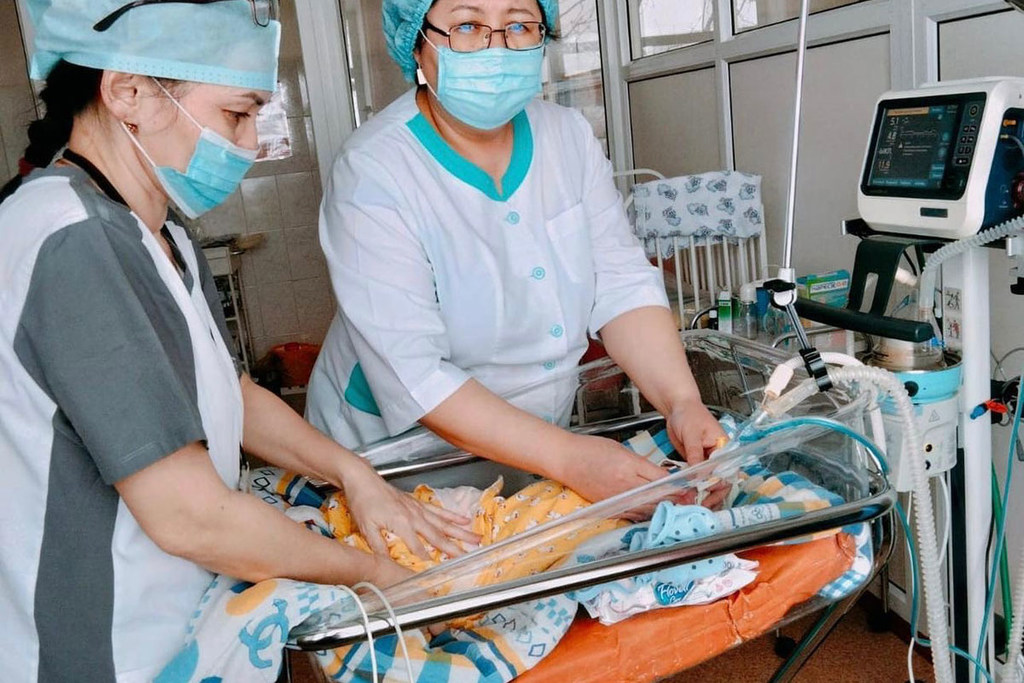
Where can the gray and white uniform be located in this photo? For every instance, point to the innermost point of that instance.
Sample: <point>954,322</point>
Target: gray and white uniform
<point>110,360</point>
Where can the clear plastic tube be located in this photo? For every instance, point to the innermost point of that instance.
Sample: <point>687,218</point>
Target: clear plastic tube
<point>778,403</point>
<point>926,298</point>
<point>938,628</point>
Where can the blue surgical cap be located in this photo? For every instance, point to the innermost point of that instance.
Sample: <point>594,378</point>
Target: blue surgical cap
<point>403,20</point>
<point>215,43</point>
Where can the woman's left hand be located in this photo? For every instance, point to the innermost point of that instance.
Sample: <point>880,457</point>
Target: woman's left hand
<point>376,505</point>
<point>693,430</point>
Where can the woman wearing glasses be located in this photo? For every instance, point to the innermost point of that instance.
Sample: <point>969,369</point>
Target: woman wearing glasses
<point>122,409</point>
<point>474,237</point>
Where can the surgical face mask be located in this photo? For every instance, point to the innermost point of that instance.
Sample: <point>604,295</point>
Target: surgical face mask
<point>213,174</point>
<point>487,88</point>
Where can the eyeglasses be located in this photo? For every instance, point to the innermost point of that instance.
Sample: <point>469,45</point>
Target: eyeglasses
<point>263,11</point>
<point>469,37</point>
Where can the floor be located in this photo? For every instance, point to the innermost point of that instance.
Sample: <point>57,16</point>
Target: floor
<point>852,654</point>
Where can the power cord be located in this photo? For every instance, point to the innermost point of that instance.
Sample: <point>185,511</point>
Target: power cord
<point>366,625</point>
<point>394,622</point>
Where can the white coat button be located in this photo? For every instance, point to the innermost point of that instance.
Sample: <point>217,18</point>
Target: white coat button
<point>538,273</point>
<point>557,331</point>
<point>513,218</point>
<point>550,365</point>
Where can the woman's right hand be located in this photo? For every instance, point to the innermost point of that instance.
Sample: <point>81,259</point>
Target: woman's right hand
<point>598,468</point>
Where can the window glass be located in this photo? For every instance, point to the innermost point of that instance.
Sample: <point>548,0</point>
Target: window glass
<point>572,71</point>
<point>751,14</point>
<point>662,25</point>
<point>573,75</point>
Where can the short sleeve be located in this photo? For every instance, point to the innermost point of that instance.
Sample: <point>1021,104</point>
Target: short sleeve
<point>102,336</point>
<point>385,287</point>
<point>624,279</point>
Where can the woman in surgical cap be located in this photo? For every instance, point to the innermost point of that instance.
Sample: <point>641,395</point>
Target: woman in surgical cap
<point>475,239</point>
<point>123,410</point>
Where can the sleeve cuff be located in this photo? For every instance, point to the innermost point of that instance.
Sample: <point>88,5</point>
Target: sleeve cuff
<point>612,305</point>
<point>153,452</point>
<point>400,415</point>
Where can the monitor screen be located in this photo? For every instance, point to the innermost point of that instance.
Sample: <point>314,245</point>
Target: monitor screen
<point>912,150</point>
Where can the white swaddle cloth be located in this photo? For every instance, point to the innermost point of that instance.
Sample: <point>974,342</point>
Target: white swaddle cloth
<point>715,205</point>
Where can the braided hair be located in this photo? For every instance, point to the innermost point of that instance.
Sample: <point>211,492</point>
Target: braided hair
<point>70,89</point>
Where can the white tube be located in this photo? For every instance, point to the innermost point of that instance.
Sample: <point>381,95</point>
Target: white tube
<point>926,296</point>
<point>1017,627</point>
<point>938,627</point>
<point>782,375</point>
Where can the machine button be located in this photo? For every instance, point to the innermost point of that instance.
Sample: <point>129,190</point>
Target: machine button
<point>970,139</point>
<point>962,161</point>
<point>973,111</point>
<point>557,331</point>
<point>513,218</point>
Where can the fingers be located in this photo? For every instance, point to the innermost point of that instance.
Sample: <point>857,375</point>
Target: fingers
<point>449,516</point>
<point>647,471</point>
<point>375,538</point>
<point>435,537</point>
<point>454,531</point>
<point>411,536</point>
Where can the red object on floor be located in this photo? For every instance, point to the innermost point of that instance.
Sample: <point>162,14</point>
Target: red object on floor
<point>657,644</point>
<point>297,362</point>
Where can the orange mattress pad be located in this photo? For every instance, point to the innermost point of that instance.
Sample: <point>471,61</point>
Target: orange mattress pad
<point>657,644</point>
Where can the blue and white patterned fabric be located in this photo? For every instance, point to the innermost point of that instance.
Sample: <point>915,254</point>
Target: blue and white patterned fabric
<point>715,205</point>
<point>239,630</point>
<point>859,572</point>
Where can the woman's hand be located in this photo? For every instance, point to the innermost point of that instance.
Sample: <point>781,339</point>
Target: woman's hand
<point>376,506</point>
<point>693,430</point>
<point>599,468</point>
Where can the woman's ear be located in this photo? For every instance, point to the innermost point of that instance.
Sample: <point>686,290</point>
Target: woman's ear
<point>122,94</point>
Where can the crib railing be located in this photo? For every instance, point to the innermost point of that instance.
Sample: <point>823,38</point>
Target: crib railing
<point>699,269</point>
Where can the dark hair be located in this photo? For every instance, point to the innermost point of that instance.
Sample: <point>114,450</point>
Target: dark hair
<point>69,91</point>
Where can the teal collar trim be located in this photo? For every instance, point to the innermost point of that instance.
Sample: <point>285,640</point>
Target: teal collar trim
<point>470,173</point>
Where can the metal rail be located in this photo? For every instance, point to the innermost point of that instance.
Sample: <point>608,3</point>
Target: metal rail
<point>560,581</point>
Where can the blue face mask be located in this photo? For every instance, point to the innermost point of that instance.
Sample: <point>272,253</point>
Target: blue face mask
<point>487,88</point>
<point>215,171</point>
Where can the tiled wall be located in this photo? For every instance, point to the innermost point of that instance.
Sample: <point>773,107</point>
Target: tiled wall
<point>17,107</point>
<point>285,285</point>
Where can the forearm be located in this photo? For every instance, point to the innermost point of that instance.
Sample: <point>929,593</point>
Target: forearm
<point>185,508</point>
<point>645,343</point>
<point>480,422</point>
<point>277,434</point>
<point>251,540</point>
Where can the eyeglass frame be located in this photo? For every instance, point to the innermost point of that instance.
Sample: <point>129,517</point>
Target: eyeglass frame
<point>490,37</point>
<point>108,21</point>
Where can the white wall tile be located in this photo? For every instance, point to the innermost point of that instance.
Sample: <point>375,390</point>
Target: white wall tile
<point>299,205</point>
<point>262,205</point>
<point>226,219</point>
<point>277,305</point>
<point>305,257</point>
<point>269,262</point>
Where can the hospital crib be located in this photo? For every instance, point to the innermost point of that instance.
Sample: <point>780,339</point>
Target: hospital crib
<point>731,373</point>
<point>696,269</point>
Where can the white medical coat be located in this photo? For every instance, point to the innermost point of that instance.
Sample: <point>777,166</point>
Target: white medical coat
<point>441,277</point>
